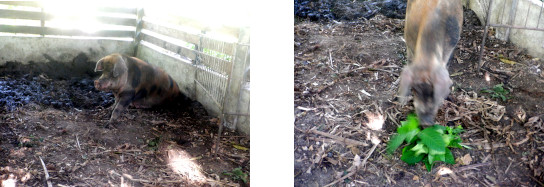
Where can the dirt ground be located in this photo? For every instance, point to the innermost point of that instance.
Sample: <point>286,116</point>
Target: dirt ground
<point>346,77</point>
<point>52,112</point>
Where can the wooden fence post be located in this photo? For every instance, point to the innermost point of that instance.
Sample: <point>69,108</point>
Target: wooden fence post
<point>138,35</point>
<point>241,61</point>
<point>42,22</point>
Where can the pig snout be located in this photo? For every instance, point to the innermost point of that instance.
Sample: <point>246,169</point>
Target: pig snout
<point>426,119</point>
<point>101,85</point>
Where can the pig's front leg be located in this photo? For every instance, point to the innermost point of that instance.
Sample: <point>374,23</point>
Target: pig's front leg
<point>125,98</point>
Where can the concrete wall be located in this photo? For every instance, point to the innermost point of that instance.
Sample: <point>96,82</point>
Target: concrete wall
<point>524,13</point>
<point>38,49</point>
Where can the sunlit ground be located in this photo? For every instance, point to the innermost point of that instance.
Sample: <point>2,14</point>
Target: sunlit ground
<point>13,175</point>
<point>183,164</point>
<point>375,120</point>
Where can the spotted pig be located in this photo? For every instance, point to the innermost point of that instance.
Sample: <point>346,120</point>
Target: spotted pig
<point>135,82</point>
<point>432,30</point>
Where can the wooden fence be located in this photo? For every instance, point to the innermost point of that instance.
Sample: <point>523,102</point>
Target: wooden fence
<point>43,17</point>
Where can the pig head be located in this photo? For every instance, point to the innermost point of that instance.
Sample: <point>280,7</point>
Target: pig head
<point>432,30</point>
<point>135,82</point>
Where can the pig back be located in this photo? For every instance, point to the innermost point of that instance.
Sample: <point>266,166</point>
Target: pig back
<point>151,84</point>
<point>432,28</point>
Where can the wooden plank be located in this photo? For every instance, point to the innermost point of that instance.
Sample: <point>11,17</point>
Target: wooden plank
<point>196,24</point>
<point>169,46</point>
<point>101,33</point>
<point>118,10</point>
<point>117,20</point>
<point>56,31</point>
<point>174,33</point>
<point>20,14</point>
<point>121,10</point>
<point>20,29</point>
<point>22,3</point>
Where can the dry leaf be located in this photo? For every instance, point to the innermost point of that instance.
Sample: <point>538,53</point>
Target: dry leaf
<point>465,160</point>
<point>416,178</point>
<point>331,160</point>
<point>240,147</point>
<point>356,161</point>
<point>355,150</point>
<point>520,114</point>
<point>456,74</point>
<point>508,61</point>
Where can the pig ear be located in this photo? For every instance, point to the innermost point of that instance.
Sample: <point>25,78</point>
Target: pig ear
<point>441,84</point>
<point>405,84</point>
<point>99,66</point>
<point>120,67</point>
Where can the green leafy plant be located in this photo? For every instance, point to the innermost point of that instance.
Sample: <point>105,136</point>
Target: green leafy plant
<point>237,174</point>
<point>497,91</point>
<point>153,144</point>
<point>428,145</point>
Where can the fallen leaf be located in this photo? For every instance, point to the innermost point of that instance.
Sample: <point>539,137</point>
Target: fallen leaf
<point>520,113</point>
<point>465,160</point>
<point>331,160</point>
<point>240,147</point>
<point>355,151</point>
<point>491,178</point>
<point>416,178</point>
<point>456,74</point>
<point>508,61</point>
<point>356,161</point>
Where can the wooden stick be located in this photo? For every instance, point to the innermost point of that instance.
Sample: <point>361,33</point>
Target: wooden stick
<point>338,138</point>
<point>46,173</point>
<point>473,166</point>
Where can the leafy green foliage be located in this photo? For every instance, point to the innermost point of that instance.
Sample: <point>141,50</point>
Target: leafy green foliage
<point>407,131</point>
<point>237,174</point>
<point>428,145</point>
<point>153,144</point>
<point>497,91</point>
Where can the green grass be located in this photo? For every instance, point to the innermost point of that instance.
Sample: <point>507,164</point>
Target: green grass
<point>237,174</point>
<point>429,145</point>
<point>497,91</point>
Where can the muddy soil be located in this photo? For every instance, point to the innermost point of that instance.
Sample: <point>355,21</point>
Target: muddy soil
<point>51,112</point>
<point>346,78</point>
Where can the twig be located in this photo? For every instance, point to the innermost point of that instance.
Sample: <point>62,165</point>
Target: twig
<point>527,137</point>
<point>473,166</point>
<point>46,173</point>
<point>325,140</point>
<point>485,135</point>
<point>536,180</point>
<point>130,177</point>
<point>387,71</point>
<point>78,145</point>
<point>338,138</point>
<point>356,168</point>
<point>486,145</point>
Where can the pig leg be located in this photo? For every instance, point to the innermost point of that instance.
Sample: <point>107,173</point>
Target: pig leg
<point>125,98</point>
